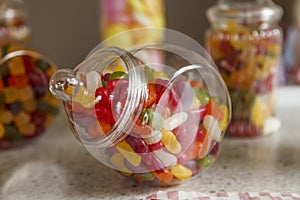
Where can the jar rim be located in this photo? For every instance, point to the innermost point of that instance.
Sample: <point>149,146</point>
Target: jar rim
<point>245,11</point>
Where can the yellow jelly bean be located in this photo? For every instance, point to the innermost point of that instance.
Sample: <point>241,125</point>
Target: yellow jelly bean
<point>125,149</point>
<point>84,97</point>
<point>259,112</point>
<point>181,172</point>
<point>69,90</point>
<point>119,68</point>
<point>195,103</point>
<point>2,131</point>
<point>117,160</point>
<point>160,75</point>
<point>16,66</point>
<point>223,123</point>
<point>27,129</point>
<point>170,141</point>
<point>11,94</point>
<point>6,117</point>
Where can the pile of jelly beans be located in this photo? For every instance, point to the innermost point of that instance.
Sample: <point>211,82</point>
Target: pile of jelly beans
<point>248,59</point>
<point>174,137</point>
<point>26,105</point>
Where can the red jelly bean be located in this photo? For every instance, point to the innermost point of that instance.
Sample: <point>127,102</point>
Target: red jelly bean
<point>102,96</point>
<point>156,146</point>
<point>104,114</point>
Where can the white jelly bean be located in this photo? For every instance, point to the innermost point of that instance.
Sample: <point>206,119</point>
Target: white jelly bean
<point>152,138</point>
<point>167,158</point>
<point>272,124</point>
<point>93,81</point>
<point>211,125</point>
<point>175,120</point>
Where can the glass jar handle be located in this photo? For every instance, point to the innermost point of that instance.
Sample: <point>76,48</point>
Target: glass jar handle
<point>60,81</point>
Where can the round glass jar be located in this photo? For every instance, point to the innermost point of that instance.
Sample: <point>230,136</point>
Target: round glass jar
<point>245,43</point>
<point>26,105</point>
<point>158,122</point>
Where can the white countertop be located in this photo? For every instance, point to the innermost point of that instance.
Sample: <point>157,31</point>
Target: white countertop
<point>56,166</point>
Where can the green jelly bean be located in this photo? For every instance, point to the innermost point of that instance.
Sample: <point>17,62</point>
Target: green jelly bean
<point>202,95</point>
<point>155,119</point>
<point>4,70</point>
<point>148,73</point>
<point>42,64</point>
<point>2,98</point>
<point>204,162</point>
<point>118,75</point>
<point>146,176</point>
<point>12,134</point>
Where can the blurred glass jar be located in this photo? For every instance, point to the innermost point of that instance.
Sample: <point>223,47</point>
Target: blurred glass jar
<point>245,42</point>
<point>13,20</point>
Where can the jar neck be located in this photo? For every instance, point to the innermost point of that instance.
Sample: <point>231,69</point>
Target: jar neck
<point>136,93</point>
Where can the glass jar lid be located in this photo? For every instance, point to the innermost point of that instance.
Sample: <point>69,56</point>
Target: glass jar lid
<point>246,11</point>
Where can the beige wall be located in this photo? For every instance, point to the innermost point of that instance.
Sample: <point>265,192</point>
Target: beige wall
<point>66,30</point>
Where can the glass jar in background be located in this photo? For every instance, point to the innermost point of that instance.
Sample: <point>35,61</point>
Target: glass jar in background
<point>26,105</point>
<point>13,20</point>
<point>245,42</point>
<point>157,122</point>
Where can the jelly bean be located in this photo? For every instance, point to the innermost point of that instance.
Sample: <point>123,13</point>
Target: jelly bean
<point>198,114</point>
<point>119,68</point>
<point>84,97</point>
<point>196,84</point>
<point>118,75</point>
<point>16,66</point>
<point>204,162</point>
<point>157,121</point>
<point>38,118</point>
<point>82,120</point>
<point>202,95</point>
<point>18,81</point>
<point>117,160</point>
<point>164,176</point>
<point>142,168</point>
<point>25,93</point>
<point>2,131</point>
<point>214,110</point>
<point>184,92</point>
<point>29,106</point>
<point>183,159</point>
<point>14,137</point>
<point>214,148</point>
<point>98,129</point>
<point>127,151</point>
<point>193,166</point>
<point>175,120</point>
<point>104,114</point>
<point>152,138</point>
<point>195,103</point>
<point>27,129</point>
<point>148,157</point>
<point>156,146</point>
<point>4,70</point>
<point>147,115</point>
<point>148,73</point>
<point>6,117</point>
<point>170,141</point>
<point>151,95</point>
<point>212,127</point>
<point>224,122</point>
<point>1,85</point>
<point>142,129</point>
<point>41,64</point>
<point>15,107</point>
<point>93,81</point>
<point>145,176</point>
<point>10,94</point>
<point>28,63</point>
<point>181,172</point>
<point>102,96</point>
<point>168,159</point>
<point>160,75</point>
<point>21,119</point>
